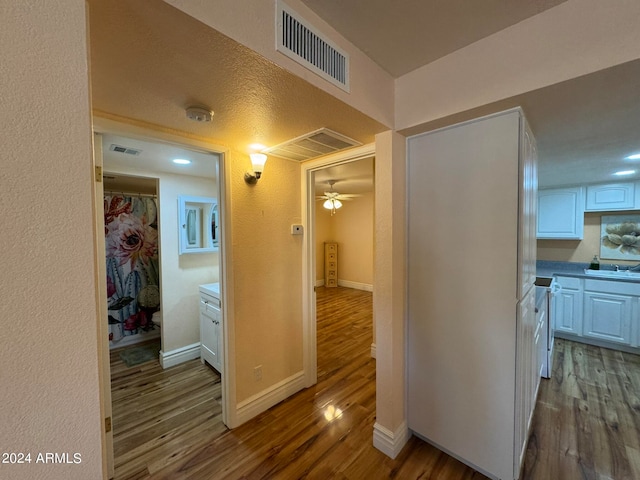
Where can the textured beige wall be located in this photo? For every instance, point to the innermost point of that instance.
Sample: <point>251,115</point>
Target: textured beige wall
<point>48,347</point>
<point>324,233</point>
<point>572,39</point>
<point>390,283</point>
<point>580,250</point>
<point>267,272</point>
<point>353,230</point>
<point>252,23</point>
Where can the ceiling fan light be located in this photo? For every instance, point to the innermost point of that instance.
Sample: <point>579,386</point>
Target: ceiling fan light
<point>327,204</point>
<point>337,203</point>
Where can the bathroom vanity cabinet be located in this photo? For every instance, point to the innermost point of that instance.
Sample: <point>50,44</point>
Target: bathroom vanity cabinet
<point>211,343</point>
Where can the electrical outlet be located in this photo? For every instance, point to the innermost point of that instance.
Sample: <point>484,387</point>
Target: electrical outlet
<point>257,373</point>
<point>296,229</point>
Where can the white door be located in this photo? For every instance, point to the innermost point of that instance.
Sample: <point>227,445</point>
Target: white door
<point>103,326</point>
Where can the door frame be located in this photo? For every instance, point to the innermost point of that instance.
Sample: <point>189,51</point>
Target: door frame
<point>103,126</point>
<point>309,326</point>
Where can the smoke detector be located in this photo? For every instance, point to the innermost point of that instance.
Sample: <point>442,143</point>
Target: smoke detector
<point>199,114</point>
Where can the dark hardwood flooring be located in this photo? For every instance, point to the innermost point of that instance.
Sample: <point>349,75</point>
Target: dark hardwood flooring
<point>167,423</point>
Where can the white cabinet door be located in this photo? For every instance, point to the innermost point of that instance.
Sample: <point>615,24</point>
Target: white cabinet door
<point>210,338</point>
<point>526,372</point>
<point>561,213</point>
<point>540,340</point>
<point>527,244</point>
<point>568,311</point>
<point>611,196</point>
<point>607,317</point>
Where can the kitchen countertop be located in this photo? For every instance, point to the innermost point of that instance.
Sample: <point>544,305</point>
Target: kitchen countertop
<point>546,268</point>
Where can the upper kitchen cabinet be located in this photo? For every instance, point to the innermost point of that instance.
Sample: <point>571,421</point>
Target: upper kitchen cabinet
<point>561,213</point>
<point>611,196</point>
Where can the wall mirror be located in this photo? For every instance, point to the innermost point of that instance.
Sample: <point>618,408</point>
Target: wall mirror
<point>198,224</point>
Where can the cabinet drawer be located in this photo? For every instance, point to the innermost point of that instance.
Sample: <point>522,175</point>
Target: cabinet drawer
<point>622,288</point>
<point>570,282</point>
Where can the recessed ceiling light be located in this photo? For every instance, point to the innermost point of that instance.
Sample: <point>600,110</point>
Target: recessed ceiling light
<point>635,156</point>
<point>181,161</point>
<point>625,172</point>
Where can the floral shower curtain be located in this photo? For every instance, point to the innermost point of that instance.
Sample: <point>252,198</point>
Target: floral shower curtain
<point>131,231</point>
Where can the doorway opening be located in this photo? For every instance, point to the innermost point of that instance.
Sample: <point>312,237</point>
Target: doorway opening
<point>348,229</point>
<point>146,271</point>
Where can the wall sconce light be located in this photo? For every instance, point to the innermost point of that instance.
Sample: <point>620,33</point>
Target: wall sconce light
<point>257,162</point>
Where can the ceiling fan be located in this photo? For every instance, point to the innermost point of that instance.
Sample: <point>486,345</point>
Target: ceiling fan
<point>332,199</point>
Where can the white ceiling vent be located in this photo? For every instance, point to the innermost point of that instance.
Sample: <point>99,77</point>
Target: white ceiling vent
<point>298,40</point>
<point>311,145</point>
<point>126,150</point>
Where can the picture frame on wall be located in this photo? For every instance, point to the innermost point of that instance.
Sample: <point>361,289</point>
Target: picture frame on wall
<point>620,237</point>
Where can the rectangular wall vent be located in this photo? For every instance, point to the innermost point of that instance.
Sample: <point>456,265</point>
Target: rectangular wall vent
<point>298,40</point>
<point>312,145</point>
<point>126,150</point>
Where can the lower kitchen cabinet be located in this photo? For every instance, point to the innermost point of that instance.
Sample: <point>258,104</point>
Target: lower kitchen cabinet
<point>607,317</point>
<point>602,312</point>
<point>568,308</point>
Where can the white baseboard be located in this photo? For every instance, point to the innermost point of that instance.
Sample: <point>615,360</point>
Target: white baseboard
<point>388,442</point>
<point>357,285</point>
<point>255,405</point>
<point>320,283</point>
<point>179,355</point>
<point>373,350</point>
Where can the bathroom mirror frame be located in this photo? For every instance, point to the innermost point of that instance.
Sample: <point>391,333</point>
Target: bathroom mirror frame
<point>198,224</point>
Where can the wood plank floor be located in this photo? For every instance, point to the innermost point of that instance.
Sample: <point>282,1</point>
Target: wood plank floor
<point>587,419</point>
<point>167,423</point>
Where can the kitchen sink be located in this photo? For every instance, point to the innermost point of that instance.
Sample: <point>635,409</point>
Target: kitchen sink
<point>612,273</point>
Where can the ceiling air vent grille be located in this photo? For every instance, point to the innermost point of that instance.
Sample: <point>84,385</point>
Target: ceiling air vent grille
<point>311,145</point>
<point>300,41</point>
<point>126,150</point>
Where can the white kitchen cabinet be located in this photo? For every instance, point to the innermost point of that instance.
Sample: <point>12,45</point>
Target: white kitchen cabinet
<point>610,196</point>
<point>607,317</point>
<point>211,331</point>
<point>568,308</point>
<point>609,308</point>
<point>472,394</point>
<point>561,213</point>
<point>540,340</point>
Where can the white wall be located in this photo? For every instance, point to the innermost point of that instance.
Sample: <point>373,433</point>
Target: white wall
<point>180,275</point>
<point>48,345</point>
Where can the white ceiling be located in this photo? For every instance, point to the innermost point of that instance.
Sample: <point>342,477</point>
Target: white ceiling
<point>153,157</point>
<point>401,36</point>
<point>150,60</point>
<point>353,177</point>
